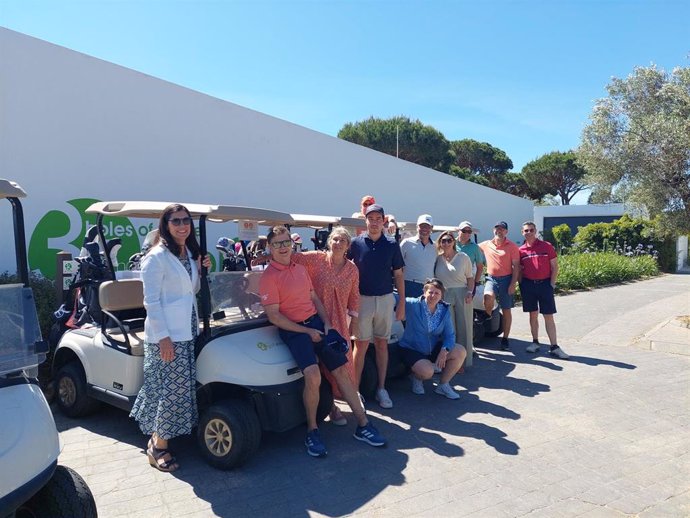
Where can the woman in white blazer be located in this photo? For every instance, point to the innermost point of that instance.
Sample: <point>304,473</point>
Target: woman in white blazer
<point>170,273</point>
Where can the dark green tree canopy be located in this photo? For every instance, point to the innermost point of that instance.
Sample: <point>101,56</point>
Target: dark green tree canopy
<point>416,142</point>
<point>638,142</point>
<point>482,159</point>
<point>557,174</point>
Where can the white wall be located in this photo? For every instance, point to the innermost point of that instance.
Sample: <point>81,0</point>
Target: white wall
<point>73,126</point>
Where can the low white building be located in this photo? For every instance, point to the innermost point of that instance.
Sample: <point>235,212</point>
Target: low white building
<point>76,129</point>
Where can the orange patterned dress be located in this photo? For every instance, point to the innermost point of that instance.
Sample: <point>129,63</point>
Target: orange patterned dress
<point>338,290</point>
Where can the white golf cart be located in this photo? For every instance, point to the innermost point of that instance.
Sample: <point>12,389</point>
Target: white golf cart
<point>246,377</point>
<point>31,482</point>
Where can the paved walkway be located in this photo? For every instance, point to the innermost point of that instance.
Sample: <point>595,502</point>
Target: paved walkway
<point>605,434</point>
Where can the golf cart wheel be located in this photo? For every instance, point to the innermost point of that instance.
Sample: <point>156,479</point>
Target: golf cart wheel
<point>325,400</point>
<point>370,377</point>
<point>66,495</point>
<point>229,433</point>
<point>70,391</point>
<point>499,329</point>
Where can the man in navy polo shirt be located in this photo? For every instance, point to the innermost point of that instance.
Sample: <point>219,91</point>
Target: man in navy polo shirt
<point>539,272</point>
<point>376,257</point>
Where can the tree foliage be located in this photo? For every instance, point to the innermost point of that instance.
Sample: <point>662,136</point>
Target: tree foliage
<point>482,159</point>
<point>557,174</point>
<point>638,142</point>
<point>416,142</point>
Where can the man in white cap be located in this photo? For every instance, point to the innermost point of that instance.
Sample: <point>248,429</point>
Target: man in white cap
<point>296,242</point>
<point>419,254</point>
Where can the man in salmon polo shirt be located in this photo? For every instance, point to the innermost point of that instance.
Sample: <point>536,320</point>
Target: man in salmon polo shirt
<point>539,265</point>
<point>292,306</point>
<point>503,270</point>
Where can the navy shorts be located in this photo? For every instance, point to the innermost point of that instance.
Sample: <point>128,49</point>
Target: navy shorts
<point>305,352</point>
<point>499,286</point>
<point>537,295</point>
<point>409,356</point>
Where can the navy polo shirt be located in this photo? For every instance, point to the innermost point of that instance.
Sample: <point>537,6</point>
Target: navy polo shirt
<point>375,261</point>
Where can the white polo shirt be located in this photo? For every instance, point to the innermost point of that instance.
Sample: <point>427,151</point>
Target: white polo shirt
<point>419,259</point>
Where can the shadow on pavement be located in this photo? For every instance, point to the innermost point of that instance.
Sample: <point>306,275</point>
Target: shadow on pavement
<point>595,362</point>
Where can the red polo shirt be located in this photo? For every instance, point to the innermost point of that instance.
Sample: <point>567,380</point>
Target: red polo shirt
<point>536,260</point>
<point>290,287</point>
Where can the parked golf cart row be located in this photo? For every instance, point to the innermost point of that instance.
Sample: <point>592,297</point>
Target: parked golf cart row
<point>31,481</point>
<point>247,379</point>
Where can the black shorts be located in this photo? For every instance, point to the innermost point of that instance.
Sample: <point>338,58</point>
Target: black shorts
<point>537,295</point>
<point>305,352</point>
<point>409,356</point>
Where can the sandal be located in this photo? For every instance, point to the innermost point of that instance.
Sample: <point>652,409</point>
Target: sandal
<point>156,460</point>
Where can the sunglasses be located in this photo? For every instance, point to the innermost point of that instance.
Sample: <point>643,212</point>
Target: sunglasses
<point>446,241</point>
<point>287,243</point>
<point>527,230</point>
<point>180,221</point>
<point>466,231</point>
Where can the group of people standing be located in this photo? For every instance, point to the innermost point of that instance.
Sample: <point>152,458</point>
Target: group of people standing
<point>330,305</point>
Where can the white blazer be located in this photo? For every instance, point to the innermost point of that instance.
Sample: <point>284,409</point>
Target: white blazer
<point>169,295</point>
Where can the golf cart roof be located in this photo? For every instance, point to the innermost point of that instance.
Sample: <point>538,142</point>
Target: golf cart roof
<point>353,222</point>
<point>316,222</point>
<point>10,189</point>
<point>217,213</point>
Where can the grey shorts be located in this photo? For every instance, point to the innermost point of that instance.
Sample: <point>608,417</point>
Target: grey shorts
<point>375,317</point>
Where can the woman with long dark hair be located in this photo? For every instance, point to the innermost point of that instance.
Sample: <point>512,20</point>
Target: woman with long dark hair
<point>166,404</point>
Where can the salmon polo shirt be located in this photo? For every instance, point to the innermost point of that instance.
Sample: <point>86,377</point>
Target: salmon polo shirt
<point>499,258</point>
<point>290,286</point>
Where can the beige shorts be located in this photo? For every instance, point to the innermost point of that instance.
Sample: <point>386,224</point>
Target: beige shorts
<point>375,316</point>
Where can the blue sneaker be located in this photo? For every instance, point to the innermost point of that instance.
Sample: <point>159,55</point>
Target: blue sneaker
<point>315,447</point>
<point>370,435</point>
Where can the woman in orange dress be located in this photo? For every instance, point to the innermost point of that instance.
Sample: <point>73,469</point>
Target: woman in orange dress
<point>336,282</point>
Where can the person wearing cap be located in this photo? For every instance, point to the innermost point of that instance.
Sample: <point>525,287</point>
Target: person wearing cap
<point>391,226</point>
<point>296,242</point>
<point>366,201</point>
<point>376,257</point>
<point>419,254</point>
<point>292,305</point>
<point>503,270</point>
<point>466,244</point>
<point>539,264</point>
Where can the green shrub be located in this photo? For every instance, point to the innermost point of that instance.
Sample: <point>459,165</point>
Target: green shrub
<point>630,237</point>
<point>563,238</point>
<point>589,270</point>
<point>44,295</point>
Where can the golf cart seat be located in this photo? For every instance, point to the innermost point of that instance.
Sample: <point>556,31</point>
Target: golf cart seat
<point>118,298</point>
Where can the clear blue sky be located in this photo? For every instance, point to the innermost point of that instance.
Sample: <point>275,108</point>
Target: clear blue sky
<point>520,75</point>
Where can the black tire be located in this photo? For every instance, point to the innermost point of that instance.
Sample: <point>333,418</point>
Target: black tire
<point>325,400</point>
<point>70,391</point>
<point>499,329</point>
<point>66,495</point>
<point>370,377</point>
<point>229,433</point>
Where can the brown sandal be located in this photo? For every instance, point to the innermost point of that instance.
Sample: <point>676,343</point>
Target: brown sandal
<point>156,460</point>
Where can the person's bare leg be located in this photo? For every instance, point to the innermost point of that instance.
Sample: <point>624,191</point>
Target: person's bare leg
<point>507,322</point>
<point>423,370</point>
<point>489,301</point>
<point>550,325</point>
<point>358,355</point>
<point>310,396</point>
<point>350,394</point>
<point>534,324</point>
<point>381,345</point>
<point>453,363</point>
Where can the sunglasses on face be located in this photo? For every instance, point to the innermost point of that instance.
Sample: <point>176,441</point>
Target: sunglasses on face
<point>527,230</point>
<point>446,241</point>
<point>466,231</point>
<point>180,221</point>
<point>287,243</point>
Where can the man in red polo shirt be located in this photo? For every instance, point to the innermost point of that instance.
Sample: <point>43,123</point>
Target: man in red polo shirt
<point>539,272</point>
<point>293,307</point>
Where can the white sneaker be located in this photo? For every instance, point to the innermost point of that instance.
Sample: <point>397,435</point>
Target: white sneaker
<point>559,353</point>
<point>417,385</point>
<point>533,347</point>
<point>383,398</point>
<point>445,389</point>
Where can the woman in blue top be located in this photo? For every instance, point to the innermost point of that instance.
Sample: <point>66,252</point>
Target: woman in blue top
<point>429,339</point>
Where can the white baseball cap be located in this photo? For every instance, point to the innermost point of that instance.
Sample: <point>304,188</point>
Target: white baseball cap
<point>465,224</point>
<point>425,218</point>
<point>296,238</point>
